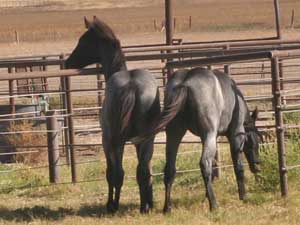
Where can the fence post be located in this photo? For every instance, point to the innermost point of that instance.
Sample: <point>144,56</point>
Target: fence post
<point>71,129</point>
<point>17,39</point>
<point>283,99</point>
<point>190,22</point>
<point>64,102</point>
<point>227,67</point>
<point>292,19</point>
<point>279,126</point>
<point>11,93</point>
<point>53,147</point>
<point>100,88</point>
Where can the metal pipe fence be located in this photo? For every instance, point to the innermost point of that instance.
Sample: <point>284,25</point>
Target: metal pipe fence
<point>246,61</point>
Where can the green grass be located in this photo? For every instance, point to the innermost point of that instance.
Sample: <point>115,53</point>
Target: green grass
<point>85,201</point>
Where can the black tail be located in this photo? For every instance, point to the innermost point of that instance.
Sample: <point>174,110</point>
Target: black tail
<point>122,109</point>
<point>173,104</point>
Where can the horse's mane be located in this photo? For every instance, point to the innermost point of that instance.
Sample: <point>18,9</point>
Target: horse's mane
<point>104,31</point>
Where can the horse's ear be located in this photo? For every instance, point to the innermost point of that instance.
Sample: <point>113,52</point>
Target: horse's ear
<point>96,20</point>
<point>87,23</point>
<point>255,114</point>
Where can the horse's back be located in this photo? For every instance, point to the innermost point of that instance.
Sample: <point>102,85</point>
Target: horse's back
<point>210,100</point>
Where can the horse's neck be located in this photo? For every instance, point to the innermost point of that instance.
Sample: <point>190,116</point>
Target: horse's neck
<point>115,64</point>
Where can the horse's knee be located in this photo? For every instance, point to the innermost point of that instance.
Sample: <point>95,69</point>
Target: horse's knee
<point>120,179</point>
<point>109,176</point>
<point>143,172</point>
<point>169,174</point>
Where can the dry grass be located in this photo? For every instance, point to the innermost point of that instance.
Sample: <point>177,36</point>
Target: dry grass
<point>36,155</point>
<point>85,202</point>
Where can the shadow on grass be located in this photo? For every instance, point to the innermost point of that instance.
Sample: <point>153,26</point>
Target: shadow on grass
<point>28,214</point>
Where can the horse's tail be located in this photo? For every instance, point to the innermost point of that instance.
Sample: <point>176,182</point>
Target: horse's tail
<point>173,105</point>
<point>122,110</point>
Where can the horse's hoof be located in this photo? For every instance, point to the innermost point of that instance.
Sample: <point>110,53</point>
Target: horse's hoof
<point>144,210</point>
<point>111,208</point>
<point>213,207</point>
<point>150,205</point>
<point>167,210</point>
<point>243,197</point>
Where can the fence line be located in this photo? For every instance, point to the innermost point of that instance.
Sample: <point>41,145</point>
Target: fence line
<point>261,56</point>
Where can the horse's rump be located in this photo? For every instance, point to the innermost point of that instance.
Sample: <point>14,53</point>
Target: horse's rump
<point>123,103</point>
<point>173,104</point>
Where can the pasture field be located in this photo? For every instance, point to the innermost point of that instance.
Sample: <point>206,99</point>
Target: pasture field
<point>63,19</point>
<point>37,202</point>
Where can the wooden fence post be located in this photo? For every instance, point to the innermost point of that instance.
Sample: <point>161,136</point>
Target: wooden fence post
<point>17,39</point>
<point>53,147</point>
<point>292,19</point>
<point>155,25</point>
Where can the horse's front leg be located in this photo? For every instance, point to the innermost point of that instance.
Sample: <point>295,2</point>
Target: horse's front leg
<point>208,154</point>
<point>143,174</point>
<point>236,145</point>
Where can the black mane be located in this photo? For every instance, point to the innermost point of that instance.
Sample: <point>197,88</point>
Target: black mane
<point>104,31</point>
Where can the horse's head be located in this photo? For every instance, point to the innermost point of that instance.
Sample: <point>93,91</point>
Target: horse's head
<point>94,46</point>
<point>251,145</point>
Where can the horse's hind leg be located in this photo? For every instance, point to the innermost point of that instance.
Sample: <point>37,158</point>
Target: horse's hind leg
<point>208,154</point>
<point>143,173</point>
<point>119,175</point>
<point>174,131</point>
<point>114,176</point>
<point>236,154</point>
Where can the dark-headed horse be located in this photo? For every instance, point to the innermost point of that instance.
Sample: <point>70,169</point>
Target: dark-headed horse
<point>207,103</point>
<point>131,102</point>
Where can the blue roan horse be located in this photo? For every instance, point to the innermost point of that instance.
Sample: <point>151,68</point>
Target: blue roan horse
<point>131,103</point>
<point>207,103</point>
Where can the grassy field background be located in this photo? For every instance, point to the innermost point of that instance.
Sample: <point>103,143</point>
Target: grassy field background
<point>37,202</point>
<point>63,19</point>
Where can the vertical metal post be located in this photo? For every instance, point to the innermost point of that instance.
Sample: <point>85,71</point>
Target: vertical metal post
<point>227,67</point>
<point>64,102</point>
<point>283,99</point>
<point>169,28</point>
<point>71,129</point>
<point>279,126</point>
<point>277,18</point>
<point>44,68</point>
<point>53,147</point>
<point>169,19</point>
<point>11,93</point>
<point>99,87</point>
